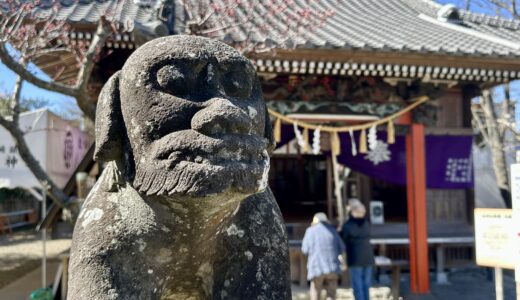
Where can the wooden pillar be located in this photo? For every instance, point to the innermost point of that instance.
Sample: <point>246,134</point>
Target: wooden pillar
<point>330,193</point>
<point>417,223</point>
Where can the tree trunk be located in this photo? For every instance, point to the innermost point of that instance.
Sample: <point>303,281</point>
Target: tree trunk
<point>55,193</point>
<point>87,105</point>
<point>496,143</point>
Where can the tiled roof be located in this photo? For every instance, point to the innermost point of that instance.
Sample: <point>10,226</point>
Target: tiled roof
<point>389,25</point>
<point>88,11</point>
<point>387,28</point>
<point>407,26</point>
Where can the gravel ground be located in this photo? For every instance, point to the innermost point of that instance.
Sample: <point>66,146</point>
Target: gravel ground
<point>469,283</point>
<point>342,293</point>
<point>21,252</point>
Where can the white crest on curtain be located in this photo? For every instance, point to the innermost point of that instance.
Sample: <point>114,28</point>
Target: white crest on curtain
<point>379,154</point>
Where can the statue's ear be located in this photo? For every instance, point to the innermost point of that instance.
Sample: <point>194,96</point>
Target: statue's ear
<point>268,133</point>
<point>110,129</point>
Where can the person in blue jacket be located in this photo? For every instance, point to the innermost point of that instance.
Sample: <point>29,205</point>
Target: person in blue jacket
<point>360,255</point>
<point>323,247</point>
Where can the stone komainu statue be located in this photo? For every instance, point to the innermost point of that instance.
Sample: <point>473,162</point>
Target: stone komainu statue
<point>182,209</point>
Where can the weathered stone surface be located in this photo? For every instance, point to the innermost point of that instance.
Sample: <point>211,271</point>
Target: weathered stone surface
<point>182,210</point>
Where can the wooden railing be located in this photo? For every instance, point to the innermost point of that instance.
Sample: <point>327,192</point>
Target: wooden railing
<point>7,226</point>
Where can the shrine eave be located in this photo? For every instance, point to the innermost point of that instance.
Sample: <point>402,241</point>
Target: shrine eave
<point>390,64</point>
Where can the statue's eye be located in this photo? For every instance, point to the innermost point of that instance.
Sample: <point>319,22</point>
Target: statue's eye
<point>237,83</point>
<point>172,80</point>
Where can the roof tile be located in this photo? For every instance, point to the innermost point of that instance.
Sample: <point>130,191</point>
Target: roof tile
<point>390,25</point>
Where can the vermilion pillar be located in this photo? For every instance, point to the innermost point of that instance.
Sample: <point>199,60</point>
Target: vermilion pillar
<point>417,223</point>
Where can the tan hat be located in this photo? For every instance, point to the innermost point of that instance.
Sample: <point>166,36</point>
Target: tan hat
<point>357,209</point>
<point>319,217</point>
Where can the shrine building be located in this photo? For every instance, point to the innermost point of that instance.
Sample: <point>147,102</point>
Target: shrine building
<point>397,77</point>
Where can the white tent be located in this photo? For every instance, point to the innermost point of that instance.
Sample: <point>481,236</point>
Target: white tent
<point>56,143</point>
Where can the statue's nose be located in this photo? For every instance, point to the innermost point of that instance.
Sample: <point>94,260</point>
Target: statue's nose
<point>221,116</point>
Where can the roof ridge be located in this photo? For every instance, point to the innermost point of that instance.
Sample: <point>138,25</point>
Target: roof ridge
<point>428,7</point>
<point>496,21</point>
<point>473,32</point>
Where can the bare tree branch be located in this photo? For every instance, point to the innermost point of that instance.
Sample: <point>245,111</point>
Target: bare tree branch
<point>55,193</point>
<point>49,51</point>
<point>4,122</point>
<point>496,143</point>
<point>29,77</point>
<point>34,35</point>
<point>500,6</point>
<point>223,18</point>
<point>88,63</point>
<point>87,106</point>
<point>480,125</point>
<point>510,127</point>
<point>15,101</point>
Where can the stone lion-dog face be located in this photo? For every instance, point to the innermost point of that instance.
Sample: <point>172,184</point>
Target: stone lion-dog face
<point>193,116</point>
<point>182,209</point>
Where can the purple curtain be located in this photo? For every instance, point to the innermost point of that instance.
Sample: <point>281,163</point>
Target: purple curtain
<point>448,159</point>
<point>287,135</point>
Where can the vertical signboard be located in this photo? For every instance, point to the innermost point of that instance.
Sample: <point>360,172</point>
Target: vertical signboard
<point>515,199</point>
<point>494,238</point>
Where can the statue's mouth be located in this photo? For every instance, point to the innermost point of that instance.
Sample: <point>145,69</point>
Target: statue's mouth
<point>221,158</point>
<point>187,162</point>
<point>219,150</point>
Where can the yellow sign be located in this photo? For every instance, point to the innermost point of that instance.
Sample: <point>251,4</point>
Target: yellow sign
<point>495,237</point>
